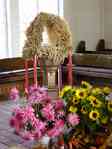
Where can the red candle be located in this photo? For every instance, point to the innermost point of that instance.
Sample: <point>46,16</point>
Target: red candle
<point>70,78</point>
<point>26,77</point>
<point>41,71</point>
<point>35,70</point>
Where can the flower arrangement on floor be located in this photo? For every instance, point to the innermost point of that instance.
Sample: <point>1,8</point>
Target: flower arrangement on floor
<point>94,107</point>
<point>40,115</point>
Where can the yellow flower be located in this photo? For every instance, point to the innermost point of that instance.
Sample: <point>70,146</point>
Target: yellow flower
<point>94,115</point>
<point>91,97</point>
<point>107,90</point>
<point>96,103</point>
<point>104,120</point>
<point>64,90</point>
<point>61,94</point>
<point>81,93</point>
<point>67,88</point>
<point>86,85</point>
<point>110,106</point>
<point>73,109</point>
<point>83,110</point>
<point>96,91</point>
<point>75,100</point>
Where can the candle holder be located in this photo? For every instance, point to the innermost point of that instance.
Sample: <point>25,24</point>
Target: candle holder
<point>51,82</point>
<point>50,75</point>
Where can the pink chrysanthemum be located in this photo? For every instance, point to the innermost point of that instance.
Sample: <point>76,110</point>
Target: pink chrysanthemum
<point>38,94</point>
<point>48,112</point>
<point>14,94</point>
<point>59,104</point>
<point>73,119</point>
<point>57,129</point>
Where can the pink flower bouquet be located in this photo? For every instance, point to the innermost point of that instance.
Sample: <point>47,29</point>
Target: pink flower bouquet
<point>41,116</point>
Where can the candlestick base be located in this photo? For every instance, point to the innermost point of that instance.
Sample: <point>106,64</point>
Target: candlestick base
<point>52,77</point>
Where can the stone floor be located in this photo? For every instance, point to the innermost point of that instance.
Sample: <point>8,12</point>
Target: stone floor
<point>7,136</point>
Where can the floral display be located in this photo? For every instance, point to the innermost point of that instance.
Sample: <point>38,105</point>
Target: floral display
<point>40,115</point>
<point>49,52</point>
<point>93,105</point>
<point>37,115</point>
<point>60,39</point>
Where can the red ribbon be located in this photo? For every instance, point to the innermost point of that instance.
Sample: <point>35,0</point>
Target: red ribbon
<point>69,65</point>
<point>35,70</point>
<point>26,77</point>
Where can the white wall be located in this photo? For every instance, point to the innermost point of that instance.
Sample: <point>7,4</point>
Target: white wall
<point>108,23</point>
<point>85,21</point>
<point>13,28</point>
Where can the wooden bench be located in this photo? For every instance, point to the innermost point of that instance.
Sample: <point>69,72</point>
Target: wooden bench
<point>93,72</point>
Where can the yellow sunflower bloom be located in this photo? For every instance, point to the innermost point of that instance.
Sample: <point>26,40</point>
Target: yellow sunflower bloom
<point>96,91</point>
<point>81,94</point>
<point>73,109</point>
<point>64,90</point>
<point>75,100</point>
<point>107,90</point>
<point>110,106</point>
<point>96,103</point>
<point>94,115</point>
<point>86,85</point>
<point>91,97</point>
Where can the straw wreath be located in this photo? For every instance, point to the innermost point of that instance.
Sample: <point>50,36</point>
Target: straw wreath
<point>60,39</point>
